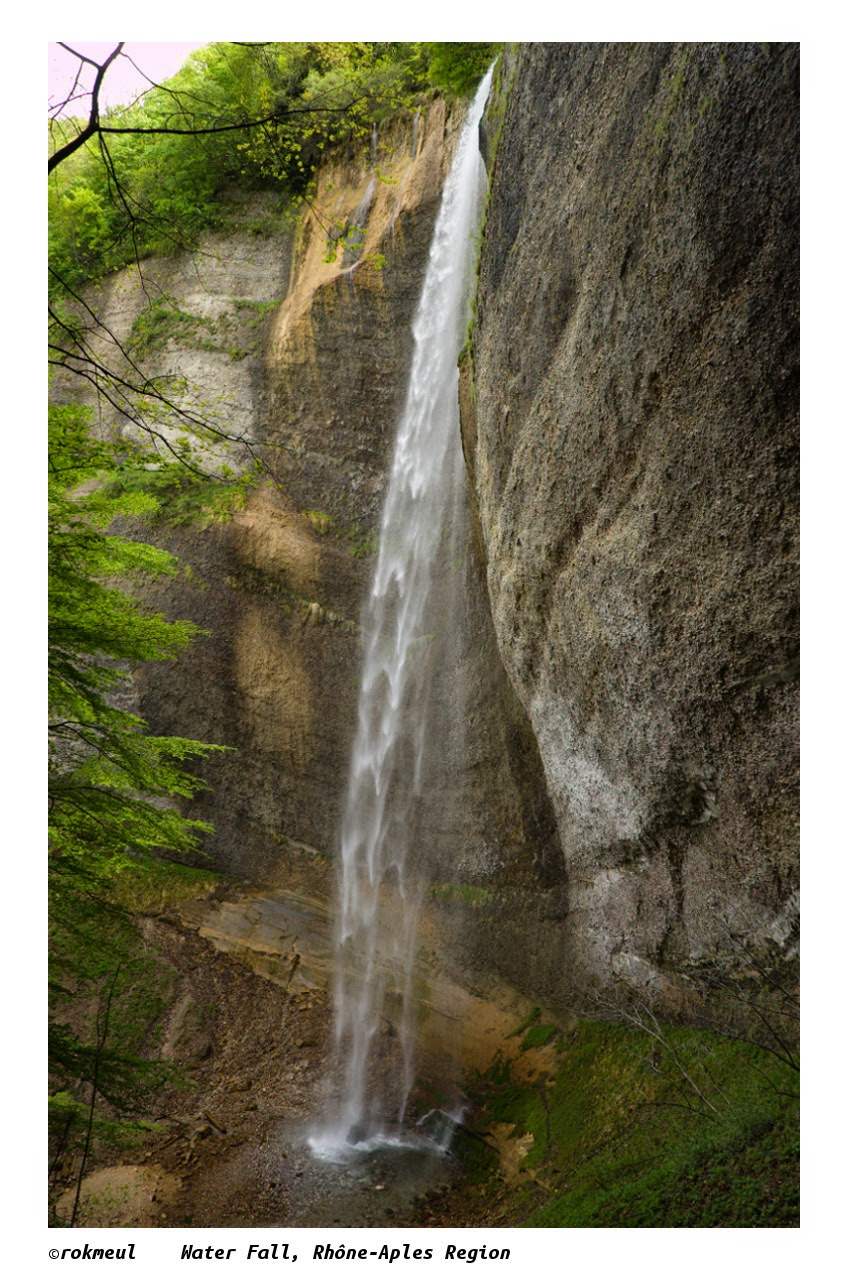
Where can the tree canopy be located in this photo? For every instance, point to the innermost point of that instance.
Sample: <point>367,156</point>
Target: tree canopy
<point>144,179</point>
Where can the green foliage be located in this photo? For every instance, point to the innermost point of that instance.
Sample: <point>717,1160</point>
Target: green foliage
<point>360,543</point>
<point>179,496</point>
<point>535,1034</point>
<point>158,324</point>
<point>458,67</point>
<point>532,1018</point>
<point>259,310</point>
<point>65,1112</point>
<point>321,522</point>
<point>469,895</point>
<point>245,114</point>
<point>540,1035</point>
<point>689,1130</point>
<point>357,541</point>
<point>111,783</point>
<point>253,115</point>
<point>162,322</point>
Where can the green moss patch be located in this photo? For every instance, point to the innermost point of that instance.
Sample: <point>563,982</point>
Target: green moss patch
<point>157,325</point>
<point>468,895</point>
<point>689,1129</point>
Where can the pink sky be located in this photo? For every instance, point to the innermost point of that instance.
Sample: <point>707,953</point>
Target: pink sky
<point>122,82</point>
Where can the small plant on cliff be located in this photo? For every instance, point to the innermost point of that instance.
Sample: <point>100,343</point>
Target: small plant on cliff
<point>157,324</point>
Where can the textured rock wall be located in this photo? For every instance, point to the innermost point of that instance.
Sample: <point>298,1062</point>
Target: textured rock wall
<point>630,426</point>
<point>278,588</point>
<point>319,381</point>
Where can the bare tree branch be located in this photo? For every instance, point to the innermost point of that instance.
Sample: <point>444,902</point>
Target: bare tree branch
<point>94,115</point>
<point>96,127</point>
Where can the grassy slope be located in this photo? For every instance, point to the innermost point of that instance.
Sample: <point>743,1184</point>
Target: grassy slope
<point>699,1131</point>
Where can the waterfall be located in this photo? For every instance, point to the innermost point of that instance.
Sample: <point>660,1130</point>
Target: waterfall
<point>379,888</point>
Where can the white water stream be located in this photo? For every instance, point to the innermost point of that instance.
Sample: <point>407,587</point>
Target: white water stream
<point>379,888</point>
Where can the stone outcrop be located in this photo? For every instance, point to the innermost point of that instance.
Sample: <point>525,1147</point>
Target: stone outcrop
<point>630,427</point>
<point>287,937</point>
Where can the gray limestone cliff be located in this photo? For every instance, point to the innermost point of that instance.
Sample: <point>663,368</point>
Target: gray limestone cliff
<point>630,403</point>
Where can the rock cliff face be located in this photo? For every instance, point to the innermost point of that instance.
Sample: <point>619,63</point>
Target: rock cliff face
<point>630,427</point>
<point>279,587</point>
<point>309,356</point>
<point>623,802</point>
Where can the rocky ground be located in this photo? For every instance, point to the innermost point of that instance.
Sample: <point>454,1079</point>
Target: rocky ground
<point>605,1125</point>
<point>231,1147</point>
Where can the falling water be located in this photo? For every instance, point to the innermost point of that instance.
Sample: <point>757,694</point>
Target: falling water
<point>379,886</point>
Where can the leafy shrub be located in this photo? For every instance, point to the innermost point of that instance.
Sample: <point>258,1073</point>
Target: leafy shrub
<point>458,67</point>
